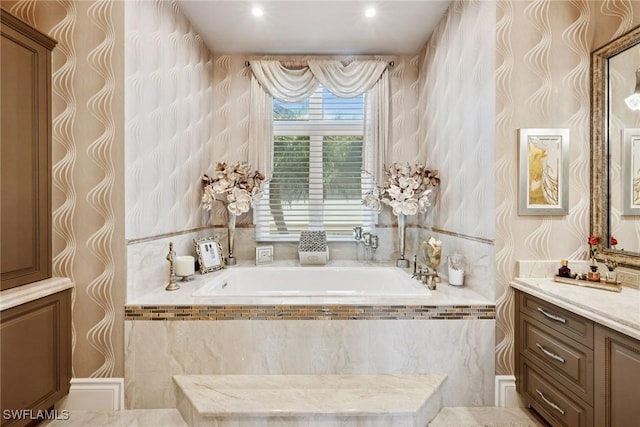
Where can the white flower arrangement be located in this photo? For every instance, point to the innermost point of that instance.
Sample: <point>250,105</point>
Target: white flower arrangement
<point>234,185</point>
<point>406,189</point>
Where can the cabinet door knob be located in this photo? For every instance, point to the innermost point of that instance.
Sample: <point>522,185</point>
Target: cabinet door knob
<point>550,403</point>
<point>552,316</point>
<point>550,354</point>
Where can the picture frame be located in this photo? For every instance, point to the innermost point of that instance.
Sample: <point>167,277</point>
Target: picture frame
<point>543,171</point>
<point>209,253</point>
<point>631,172</point>
<point>264,255</point>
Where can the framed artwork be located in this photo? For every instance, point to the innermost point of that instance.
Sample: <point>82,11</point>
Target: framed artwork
<point>209,252</point>
<point>543,171</point>
<point>631,172</point>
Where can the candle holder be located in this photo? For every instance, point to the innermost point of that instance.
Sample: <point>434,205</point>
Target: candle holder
<point>185,278</point>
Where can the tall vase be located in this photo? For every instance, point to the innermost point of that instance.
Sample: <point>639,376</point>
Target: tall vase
<point>402,262</point>
<point>231,236</point>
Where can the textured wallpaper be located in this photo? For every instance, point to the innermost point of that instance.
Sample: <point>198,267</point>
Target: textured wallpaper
<point>88,207</point>
<point>169,119</point>
<point>457,94</point>
<point>542,81</point>
<point>455,114</point>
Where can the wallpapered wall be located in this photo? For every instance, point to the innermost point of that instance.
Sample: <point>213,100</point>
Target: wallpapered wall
<point>169,119</point>
<point>541,80</point>
<point>88,170</point>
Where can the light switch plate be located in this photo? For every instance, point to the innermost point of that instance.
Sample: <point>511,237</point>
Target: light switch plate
<point>264,255</point>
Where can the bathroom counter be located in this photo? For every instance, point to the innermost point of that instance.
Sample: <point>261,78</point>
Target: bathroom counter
<point>619,311</point>
<point>23,294</point>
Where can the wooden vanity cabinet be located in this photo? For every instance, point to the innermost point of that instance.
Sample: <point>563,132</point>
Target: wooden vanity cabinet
<point>25,142</point>
<point>554,362</point>
<point>573,371</point>
<point>617,375</point>
<point>35,347</point>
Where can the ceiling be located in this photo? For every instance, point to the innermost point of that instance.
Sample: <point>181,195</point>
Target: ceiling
<point>314,27</point>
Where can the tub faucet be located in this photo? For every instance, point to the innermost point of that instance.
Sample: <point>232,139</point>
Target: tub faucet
<point>426,275</point>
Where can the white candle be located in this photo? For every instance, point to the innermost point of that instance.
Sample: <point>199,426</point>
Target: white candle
<point>184,266</point>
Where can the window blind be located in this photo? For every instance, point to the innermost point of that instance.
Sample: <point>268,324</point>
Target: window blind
<point>317,181</point>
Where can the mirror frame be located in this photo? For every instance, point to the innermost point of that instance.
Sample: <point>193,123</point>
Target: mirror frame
<point>599,224</point>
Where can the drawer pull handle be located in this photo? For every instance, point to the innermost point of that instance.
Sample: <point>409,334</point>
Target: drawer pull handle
<point>550,403</point>
<point>549,353</point>
<point>552,316</point>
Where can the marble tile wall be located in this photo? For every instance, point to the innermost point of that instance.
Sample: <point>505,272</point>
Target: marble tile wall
<point>461,349</point>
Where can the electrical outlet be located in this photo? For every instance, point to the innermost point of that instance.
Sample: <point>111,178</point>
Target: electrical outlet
<point>628,277</point>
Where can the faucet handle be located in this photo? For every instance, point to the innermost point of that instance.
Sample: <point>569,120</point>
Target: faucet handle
<point>367,238</point>
<point>357,233</point>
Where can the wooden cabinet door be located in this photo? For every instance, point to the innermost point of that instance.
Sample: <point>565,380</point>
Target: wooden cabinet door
<point>617,379</point>
<point>35,342</point>
<point>25,143</point>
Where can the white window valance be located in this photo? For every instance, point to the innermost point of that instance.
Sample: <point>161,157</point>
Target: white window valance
<point>272,79</point>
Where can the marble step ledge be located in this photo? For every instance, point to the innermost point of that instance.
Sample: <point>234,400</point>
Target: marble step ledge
<point>309,400</point>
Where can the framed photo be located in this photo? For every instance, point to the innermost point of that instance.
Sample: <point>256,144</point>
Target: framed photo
<point>631,172</point>
<point>264,255</point>
<point>209,252</point>
<point>543,171</point>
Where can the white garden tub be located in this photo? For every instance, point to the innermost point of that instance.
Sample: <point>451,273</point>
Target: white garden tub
<point>312,282</point>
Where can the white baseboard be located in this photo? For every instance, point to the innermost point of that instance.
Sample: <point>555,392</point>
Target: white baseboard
<point>94,394</point>
<point>506,395</point>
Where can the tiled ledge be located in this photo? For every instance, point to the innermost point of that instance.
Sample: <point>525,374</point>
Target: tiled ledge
<point>309,312</point>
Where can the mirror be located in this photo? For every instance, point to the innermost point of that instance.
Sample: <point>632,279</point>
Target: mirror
<point>613,127</point>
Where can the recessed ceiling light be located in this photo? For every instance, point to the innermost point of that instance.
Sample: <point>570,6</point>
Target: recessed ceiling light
<point>257,11</point>
<point>370,12</point>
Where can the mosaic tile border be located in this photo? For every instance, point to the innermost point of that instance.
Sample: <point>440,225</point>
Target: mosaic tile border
<point>310,312</point>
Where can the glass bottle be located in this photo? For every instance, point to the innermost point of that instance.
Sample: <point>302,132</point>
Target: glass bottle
<point>564,270</point>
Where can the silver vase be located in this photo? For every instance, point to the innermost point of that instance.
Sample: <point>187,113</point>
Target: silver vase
<point>231,236</point>
<point>402,262</point>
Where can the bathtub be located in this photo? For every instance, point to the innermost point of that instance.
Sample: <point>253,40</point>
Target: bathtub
<point>312,282</point>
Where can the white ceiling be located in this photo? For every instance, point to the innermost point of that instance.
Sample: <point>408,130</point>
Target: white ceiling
<point>313,26</point>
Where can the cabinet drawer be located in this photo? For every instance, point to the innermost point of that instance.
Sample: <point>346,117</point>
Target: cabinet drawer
<point>557,407</point>
<point>563,321</point>
<point>570,361</point>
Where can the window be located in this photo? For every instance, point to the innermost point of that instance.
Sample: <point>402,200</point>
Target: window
<point>317,181</point>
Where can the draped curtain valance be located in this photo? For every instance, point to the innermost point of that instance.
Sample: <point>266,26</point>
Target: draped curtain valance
<point>294,85</point>
<point>272,79</point>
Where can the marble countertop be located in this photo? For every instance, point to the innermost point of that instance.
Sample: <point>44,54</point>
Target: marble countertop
<point>298,395</point>
<point>619,311</point>
<point>33,291</point>
<point>444,294</point>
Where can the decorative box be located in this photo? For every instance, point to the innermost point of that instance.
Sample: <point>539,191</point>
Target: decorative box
<point>313,248</point>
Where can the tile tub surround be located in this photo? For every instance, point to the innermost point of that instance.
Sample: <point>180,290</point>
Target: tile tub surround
<point>346,400</point>
<point>619,311</point>
<point>155,351</point>
<point>147,268</point>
